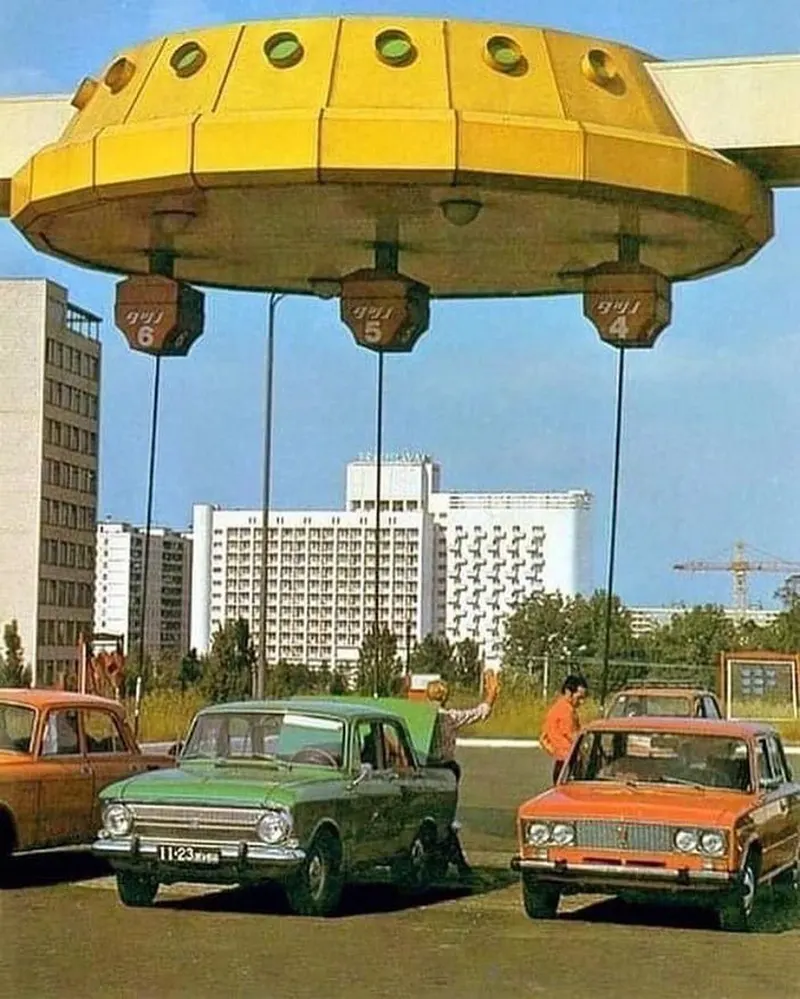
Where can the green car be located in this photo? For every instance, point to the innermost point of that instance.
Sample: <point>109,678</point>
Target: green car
<point>308,792</point>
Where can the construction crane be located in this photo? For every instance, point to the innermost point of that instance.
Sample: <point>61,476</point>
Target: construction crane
<point>739,566</point>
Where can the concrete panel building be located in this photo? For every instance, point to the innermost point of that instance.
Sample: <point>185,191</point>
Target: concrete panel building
<point>49,415</point>
<point>119,589</point>
<point>451,564</point>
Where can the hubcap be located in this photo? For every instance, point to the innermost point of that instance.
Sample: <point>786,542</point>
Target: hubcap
<point>749,890</point>
<point>316,876</point>
<point>418,859</point>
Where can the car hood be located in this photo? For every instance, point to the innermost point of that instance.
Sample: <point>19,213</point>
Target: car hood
<point>667,804</point>
<point>242,786</point>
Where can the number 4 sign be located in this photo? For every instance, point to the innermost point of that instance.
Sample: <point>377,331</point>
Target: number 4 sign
<point>629,305</point>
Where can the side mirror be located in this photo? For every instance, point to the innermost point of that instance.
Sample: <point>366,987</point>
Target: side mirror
<point>364,771</point>
<point>176,748</point>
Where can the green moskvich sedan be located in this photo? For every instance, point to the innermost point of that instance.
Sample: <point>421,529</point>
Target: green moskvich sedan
<point>308,792</point>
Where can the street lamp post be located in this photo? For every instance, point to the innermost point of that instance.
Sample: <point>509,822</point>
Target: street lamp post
<point>261,673</point>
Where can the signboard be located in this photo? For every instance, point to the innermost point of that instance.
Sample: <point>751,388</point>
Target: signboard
<point>629,305</point>
<point>384,311</point>
<point>159,315</point>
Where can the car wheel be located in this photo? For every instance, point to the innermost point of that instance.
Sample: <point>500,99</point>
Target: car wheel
<point>540,901</point>
<point>736,914</point>
<point>136,890</point>
<point>417,869</point>
<point>316,888</point>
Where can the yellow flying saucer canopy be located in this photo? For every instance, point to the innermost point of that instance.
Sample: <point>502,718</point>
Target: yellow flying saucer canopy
<point>507,160</point>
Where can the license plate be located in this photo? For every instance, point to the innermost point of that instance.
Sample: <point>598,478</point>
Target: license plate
<point>171,853</point>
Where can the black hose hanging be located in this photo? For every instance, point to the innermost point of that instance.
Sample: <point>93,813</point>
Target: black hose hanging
<point>149,518</point>
<point>260,679</point>
<point>612,540</point>
<point>378,448</point>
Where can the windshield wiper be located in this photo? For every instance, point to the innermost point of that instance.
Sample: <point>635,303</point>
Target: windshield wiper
<point>275,761</point>
<point>684,782</point>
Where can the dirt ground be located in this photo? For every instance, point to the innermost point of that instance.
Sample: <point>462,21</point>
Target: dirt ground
<point>63,933</point>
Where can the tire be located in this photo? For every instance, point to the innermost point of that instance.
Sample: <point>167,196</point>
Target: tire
<point>316,888</point>
<point>540,901</point>
<point>136,890</point>
<point>418,869</point>
<point>736,914</point>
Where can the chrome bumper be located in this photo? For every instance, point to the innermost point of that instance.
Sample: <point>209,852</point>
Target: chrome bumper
<point>631,876</point>
<point>239,854</point>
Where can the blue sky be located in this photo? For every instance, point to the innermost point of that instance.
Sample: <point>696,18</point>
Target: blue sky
<point>507,395</point>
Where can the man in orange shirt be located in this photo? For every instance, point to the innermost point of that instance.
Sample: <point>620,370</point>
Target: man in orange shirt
<point>562,724</point>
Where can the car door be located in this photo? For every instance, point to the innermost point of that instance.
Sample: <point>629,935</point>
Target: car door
<point>110,753</point>
<point>785,794</point>
<point>64,780</point>
<point>409,809</point>
<point>372,798</point>
<point>771,812</point>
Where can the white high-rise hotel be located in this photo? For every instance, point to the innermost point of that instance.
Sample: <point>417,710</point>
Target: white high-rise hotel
<point>450,563</point>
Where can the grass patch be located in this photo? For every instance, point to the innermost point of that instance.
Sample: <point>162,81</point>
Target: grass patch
<point>165,714</point>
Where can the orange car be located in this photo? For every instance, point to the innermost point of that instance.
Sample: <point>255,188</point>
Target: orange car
<point>57,750</point>
<point>656,700</point>
<point>706,810</point>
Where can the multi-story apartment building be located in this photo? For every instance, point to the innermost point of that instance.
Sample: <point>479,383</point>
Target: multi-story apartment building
<point>647,619</point>
<point>451,563</point>
<point>119,587</point>
<point>48,472</point>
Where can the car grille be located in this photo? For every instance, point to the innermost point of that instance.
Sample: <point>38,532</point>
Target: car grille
<point>170,822</point>
<point>632,836</point>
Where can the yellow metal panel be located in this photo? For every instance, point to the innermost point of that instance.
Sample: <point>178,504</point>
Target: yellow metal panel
<point>263,146</point>
<point>104,107</point>
<point>631,102</point>
<point>645,162</point>
<point>504,144</point>
<point>360,78</point>
<point>711,178</point>
<point>20,207</point>
<point>422,142</point>
<point>158,153</point>
<point>63,168</point>
<point>167,95</point>
<point>476,86</point>
<point>254,83</point>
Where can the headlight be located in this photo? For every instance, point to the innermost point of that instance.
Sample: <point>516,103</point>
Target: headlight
<point>117,819</point>
<point>563,834</point>
<point>273,827</point>
<point>537,833</point>
<point>712,842</point>
<point>686,840</point>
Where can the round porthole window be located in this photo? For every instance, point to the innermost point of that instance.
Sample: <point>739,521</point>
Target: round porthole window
<point>119,74</point>
<point>504,54</point>
<point>598,66</point>
<point>395,48</point>
<point>187,59</point>
<point>283,50</point>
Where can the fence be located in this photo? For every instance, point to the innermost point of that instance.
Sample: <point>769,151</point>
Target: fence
<point>547,673</point>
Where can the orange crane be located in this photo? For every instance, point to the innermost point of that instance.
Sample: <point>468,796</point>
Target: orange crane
<point>739,566</point>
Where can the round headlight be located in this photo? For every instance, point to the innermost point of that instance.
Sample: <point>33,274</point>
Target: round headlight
<point>563,834</point>
<point>273,827</point>
<point>117,819</point>
<point>712,843</point>
<point>686,840</point>
<point>537,834</point>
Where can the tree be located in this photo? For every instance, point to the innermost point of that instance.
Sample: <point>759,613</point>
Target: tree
<point>378,665</point>
<point>231,662</point>
<point>13,671</point>
<point>433,654</point>
<point>287,679</point>
<point>190,670</point>
<point>466,668</point>
<point>534,627</point>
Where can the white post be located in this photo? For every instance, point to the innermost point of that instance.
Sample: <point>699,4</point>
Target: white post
<point>137,704</point>
<point>546,676</point>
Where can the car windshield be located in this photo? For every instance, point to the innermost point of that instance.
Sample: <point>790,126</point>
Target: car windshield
<point>663,705</point>
<point>282,736</point>
<point>16,728</point>
<point>661,757</point>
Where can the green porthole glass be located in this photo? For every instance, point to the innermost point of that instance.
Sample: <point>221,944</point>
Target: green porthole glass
<point>187,59</point>
<point>395,48</point>
<point>283,50</point>
<point>504,55</point>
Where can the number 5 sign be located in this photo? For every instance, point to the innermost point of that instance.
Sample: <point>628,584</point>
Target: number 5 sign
<point>384,311</point>
<point>629,304</point>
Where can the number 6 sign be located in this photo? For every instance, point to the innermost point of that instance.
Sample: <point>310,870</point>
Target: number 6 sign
<point>159,315</point>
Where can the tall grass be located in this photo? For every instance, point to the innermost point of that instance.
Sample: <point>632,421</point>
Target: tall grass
<point>165,715</point>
